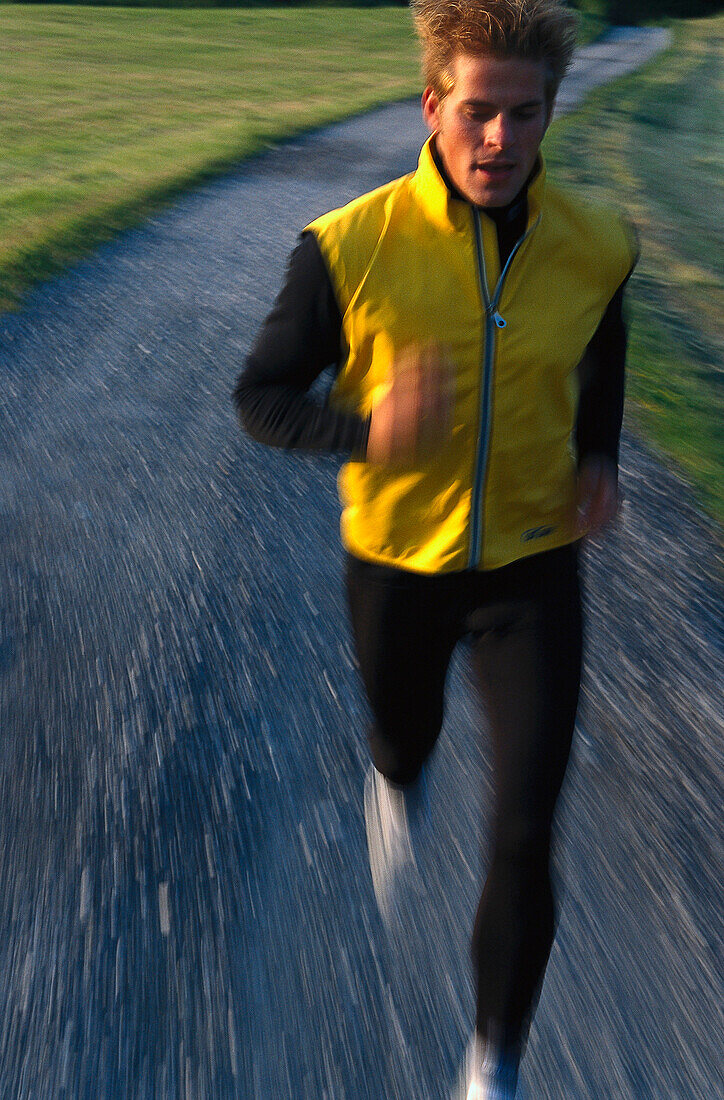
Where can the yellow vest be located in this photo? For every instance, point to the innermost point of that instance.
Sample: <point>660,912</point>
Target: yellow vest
<point>410,264</point>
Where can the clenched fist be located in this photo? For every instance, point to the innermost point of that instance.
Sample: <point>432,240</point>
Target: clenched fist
<point>414,416</point>
<point>598,496</point>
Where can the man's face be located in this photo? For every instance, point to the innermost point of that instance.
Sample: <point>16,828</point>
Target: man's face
<point>490,126</point>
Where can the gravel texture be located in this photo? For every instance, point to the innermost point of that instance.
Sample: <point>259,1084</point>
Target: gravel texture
<point>186,907</point>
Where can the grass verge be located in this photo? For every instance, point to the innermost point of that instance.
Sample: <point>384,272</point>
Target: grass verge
<point>110,111</point>
<point>653,142</point>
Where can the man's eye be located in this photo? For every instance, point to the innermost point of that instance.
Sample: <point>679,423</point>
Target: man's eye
<point>525,116</point>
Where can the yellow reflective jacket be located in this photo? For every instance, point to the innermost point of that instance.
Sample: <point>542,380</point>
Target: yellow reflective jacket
<point>411,265</point>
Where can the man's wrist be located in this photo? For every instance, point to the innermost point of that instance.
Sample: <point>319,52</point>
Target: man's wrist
<point>601,460</point>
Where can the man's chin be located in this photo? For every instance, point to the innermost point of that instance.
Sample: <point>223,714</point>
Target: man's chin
<point>492,196</point>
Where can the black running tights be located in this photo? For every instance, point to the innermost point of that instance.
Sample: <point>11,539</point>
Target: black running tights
<point>524,621</point>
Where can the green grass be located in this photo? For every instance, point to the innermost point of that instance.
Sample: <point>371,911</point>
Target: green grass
<point>654,143</point>
<point>107,111</point>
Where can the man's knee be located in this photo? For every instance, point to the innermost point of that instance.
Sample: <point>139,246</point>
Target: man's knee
<point>523,842</point>
<point>400,748</point>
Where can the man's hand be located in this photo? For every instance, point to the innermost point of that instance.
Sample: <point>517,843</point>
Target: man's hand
<point>598,496</point>
<point>413,417</point>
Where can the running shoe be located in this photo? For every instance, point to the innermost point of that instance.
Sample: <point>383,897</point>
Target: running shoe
<point>396,820</point>
<point>491,1073</point>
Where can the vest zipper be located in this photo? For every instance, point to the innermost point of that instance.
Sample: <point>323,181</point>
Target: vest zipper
<point>493,320</point>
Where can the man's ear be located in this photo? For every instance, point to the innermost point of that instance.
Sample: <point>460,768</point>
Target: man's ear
<point>431,109</point>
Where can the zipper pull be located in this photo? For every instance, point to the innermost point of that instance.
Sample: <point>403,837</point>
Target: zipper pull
<point>500,321</point>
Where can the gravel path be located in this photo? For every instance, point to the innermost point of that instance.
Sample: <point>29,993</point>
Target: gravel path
<point>186,910</point>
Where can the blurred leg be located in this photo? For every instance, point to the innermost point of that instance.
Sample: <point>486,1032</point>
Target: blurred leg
<point>404,637</point>
<point>528,662</point>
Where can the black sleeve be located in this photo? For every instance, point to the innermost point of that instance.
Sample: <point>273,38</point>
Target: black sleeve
<point>600,407</point>
<point>298,340</point>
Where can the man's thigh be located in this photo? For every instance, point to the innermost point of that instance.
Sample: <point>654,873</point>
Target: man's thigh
<point>404,635</point>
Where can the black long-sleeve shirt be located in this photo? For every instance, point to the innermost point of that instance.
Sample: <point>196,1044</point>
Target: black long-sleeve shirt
<point>302,336</point>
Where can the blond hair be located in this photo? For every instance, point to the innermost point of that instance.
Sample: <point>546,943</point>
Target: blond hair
<point>535,30</point>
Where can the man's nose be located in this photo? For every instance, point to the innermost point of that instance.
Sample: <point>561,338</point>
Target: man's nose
<point>499,132</point>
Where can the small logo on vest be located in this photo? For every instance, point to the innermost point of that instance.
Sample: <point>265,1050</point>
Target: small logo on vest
<point>536,533</point>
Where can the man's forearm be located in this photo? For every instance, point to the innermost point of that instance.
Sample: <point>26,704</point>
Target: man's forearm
<point>600,408</point>
<point>284,416</point>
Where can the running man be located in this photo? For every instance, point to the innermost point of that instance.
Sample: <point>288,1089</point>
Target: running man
<point>472,312</point>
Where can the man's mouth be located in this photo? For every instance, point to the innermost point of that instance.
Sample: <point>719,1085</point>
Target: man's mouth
<point>494,168</point>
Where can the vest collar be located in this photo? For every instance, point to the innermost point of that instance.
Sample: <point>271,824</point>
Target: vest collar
<point>447,209</point>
